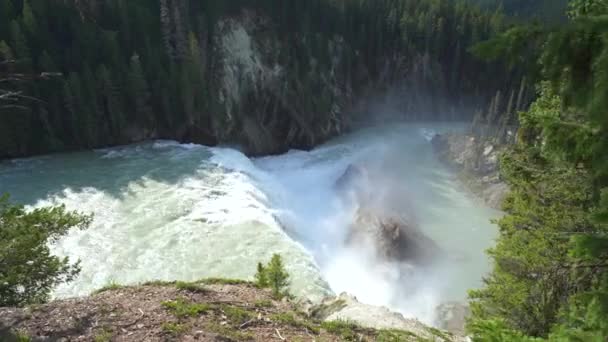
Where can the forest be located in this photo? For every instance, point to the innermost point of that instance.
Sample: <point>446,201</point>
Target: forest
<point>115,72</point>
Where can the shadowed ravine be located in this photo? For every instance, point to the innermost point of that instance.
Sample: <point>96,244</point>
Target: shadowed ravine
<point>168,211</point>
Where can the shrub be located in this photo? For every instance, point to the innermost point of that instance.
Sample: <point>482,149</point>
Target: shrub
<point>29,272</point>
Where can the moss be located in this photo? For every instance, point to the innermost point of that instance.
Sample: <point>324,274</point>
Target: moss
<point>110,287</point>
<point>229,332</point>
<point>182,308</point>
<point>174,328</point>
<point>236,315</point>
<point>348,331</point>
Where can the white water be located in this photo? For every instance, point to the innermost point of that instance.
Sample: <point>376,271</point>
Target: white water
<point>183,212</point>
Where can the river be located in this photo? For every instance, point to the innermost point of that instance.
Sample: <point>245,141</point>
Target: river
<point>169,211</point>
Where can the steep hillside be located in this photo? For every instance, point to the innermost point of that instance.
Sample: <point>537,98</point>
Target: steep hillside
<point>265,75</point>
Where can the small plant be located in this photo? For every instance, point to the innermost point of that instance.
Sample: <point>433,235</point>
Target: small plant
<point>110,287</point>
<point>191,287</point>
<point>174,328</point>
<point>260,276</point>
<point>158,283</point>
<point>237,315</point>
<point>291,319</point>
<point>391,335</point>
<point>104,336</point>
<point>181,308</point>
<point>222,281</point>
<point>263,303</point>
<point>345,329</point>
<point>274,276</point>
<point>20,336</point>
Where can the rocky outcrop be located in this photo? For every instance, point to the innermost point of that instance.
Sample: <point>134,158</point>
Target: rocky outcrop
<point>478,163</point>
<point>392,230</point>
<point>347,308</point>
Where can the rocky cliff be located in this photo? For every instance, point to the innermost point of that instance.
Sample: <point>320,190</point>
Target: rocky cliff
<point>477,160</point>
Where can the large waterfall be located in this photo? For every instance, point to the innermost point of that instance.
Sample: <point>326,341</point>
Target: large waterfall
<point>167,211</point>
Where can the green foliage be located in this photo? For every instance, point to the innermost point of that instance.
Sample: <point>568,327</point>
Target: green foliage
<point>175,329</point>
<point>191,287</point>
<point>236,315</point>
<point>260,276</point>
<point>181,308</point>
<point>291,318</point>
<point>550,272</point>
<point>110,287</point>
<point>348,331</point>
<point>273,276</point>
<point>224,281</point>
<point>392,335</point>
<point>103,336</point>
<point>263,303</point>
<point>29,271</point>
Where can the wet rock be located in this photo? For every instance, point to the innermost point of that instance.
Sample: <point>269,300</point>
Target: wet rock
<point>478,163</point>
<point>382,221</point>
<point>451,316</point>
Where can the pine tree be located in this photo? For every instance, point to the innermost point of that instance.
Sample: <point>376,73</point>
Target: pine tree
<point>29,20</point>
<point>139,92</point>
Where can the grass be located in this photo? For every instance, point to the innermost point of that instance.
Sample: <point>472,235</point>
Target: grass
<point>104,336</point>
<point>291,319</point>
<point>391,335</point>
<point>236,315</point>
<point>174,328</point>
<point>191,287</point>
<point>441,334</point>
<point>263,303</point>
<point>348,331</point>
<point>110,287</point>
<point>223,281</point>
<point>19,336</point>
<point>182,308</point>
<point>229,332</point>
<point>158,283</point>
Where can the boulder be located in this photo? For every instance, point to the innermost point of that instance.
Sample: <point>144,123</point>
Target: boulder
<point>384,222</point>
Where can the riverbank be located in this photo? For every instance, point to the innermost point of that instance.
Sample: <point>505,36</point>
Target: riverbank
<point>477,163</point>
<point>208,310</point>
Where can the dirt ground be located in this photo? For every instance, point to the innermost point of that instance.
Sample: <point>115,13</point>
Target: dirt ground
<point>176,312</point>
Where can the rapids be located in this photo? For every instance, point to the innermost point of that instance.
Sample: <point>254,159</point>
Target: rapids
<point>168,211</point>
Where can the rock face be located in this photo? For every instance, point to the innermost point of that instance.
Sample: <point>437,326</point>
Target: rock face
<point>259,105</point>
<point>392,230</point>
<point>452,316</point>
<point>347,308</point>
<point>477,160</point>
